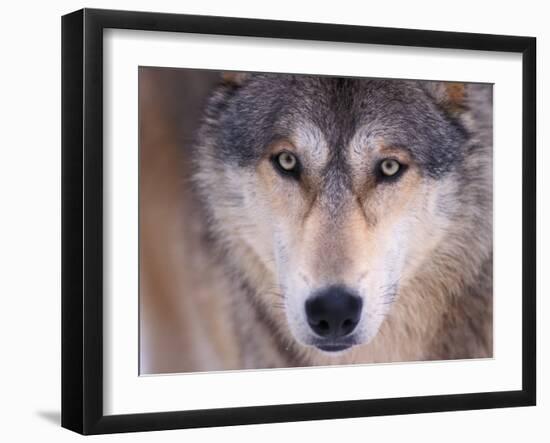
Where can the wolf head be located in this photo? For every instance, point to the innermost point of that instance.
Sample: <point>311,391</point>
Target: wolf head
<point>330,195</point>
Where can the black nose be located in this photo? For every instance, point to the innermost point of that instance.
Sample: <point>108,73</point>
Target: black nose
<point>334,312</point>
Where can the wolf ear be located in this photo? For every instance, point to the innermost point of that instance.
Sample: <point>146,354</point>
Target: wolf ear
<point>234,78</point>
<point>451,96</point>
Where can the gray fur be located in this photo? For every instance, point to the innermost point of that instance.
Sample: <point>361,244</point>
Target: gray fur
<point>453,148</point>
<point>244,119</point>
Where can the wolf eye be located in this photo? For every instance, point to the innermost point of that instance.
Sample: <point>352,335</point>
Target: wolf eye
<point>390,167</point>
<point>287,163</point>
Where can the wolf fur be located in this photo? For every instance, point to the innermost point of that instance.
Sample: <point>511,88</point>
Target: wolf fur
<point>228,263</point>
<point>277,242</point>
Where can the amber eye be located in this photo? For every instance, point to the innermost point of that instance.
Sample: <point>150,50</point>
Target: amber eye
<point>287,161</point>
<point>287,165</point>
<point>389,167</point>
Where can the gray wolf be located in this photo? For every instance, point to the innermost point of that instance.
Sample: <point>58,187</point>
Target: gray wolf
<point>352,216</point>
<point>327,221</point>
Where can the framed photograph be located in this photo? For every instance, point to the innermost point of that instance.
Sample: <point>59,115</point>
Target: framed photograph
<point>270,221</point>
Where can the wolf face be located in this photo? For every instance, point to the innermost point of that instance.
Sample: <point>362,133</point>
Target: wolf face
<point>328,194</point>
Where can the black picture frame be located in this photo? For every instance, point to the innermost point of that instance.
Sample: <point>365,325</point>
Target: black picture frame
<point>82,220</point>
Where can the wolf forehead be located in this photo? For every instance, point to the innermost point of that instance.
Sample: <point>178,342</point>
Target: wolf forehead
<point>245,118</point>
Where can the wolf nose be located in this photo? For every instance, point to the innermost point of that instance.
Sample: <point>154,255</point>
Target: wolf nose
<point>333,312</point>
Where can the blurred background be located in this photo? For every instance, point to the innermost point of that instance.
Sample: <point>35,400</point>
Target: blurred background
<point>177,281</point>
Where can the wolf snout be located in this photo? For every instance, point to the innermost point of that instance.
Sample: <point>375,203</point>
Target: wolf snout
<point>334,312</point>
